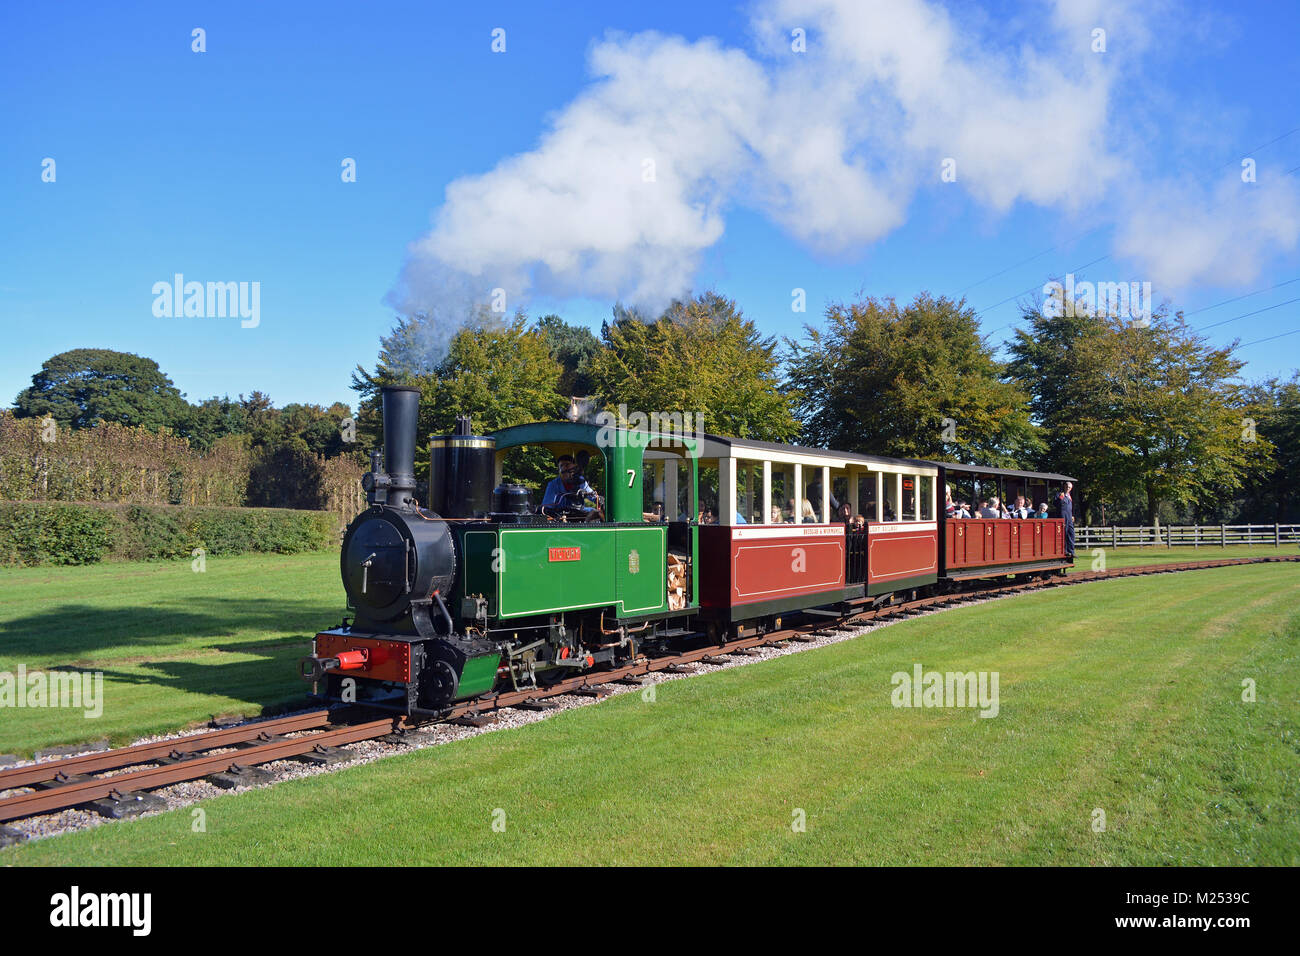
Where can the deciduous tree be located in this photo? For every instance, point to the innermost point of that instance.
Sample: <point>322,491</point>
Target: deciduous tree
<point>915,381</point>
<point>83,386</point>
<point>701,356</point>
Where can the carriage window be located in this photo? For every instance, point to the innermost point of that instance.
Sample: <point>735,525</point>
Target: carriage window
<point>810,507</point>
<point>963,493</point>
<point>776,503</point>
<point>867,495</point>
<point>840,496</point>
<point>927,498</point>
<point>708,513</point>
<point>749,489</point>
<point>908,512</point>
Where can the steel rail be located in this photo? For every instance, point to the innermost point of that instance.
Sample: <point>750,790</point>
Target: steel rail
<point>76,793</point>
<point>146,753</point>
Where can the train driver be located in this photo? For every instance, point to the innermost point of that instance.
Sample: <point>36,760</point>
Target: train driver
<point>569,482</point>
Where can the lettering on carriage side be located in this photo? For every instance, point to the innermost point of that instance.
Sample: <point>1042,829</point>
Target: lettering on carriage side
<point>76,909</point>
<point>902,527</point>
<point>788,531</point>
<point>564,554</point>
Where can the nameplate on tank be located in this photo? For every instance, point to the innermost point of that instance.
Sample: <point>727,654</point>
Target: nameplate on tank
<point>565,554</point>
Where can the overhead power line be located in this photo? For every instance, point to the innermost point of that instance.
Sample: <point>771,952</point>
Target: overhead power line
<point>1280,335</point>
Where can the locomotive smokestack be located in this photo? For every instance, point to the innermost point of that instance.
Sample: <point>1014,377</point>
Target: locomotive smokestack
<point>401,411</point>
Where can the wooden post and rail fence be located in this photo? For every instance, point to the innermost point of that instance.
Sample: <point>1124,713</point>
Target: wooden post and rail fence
<point>1197,536</point>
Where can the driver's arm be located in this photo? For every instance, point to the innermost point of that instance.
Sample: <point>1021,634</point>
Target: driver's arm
<point>554,495</point>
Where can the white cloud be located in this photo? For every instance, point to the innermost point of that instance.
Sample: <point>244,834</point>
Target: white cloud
<point>1180,233</point>
<point>831,144</point>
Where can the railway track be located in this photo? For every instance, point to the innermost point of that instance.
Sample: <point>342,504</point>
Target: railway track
<point>120,777</point>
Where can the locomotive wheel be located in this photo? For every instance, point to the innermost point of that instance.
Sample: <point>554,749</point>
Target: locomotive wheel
<point>439,684</point>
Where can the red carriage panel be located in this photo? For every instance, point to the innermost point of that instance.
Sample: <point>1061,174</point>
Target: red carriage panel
<point>986,542</point>
<point>748,564</point>
<point>902,551</point>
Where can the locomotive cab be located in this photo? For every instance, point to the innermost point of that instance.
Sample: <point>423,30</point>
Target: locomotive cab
<point>484,589</point>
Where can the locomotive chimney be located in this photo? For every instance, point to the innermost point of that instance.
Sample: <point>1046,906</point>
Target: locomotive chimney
<point>401,411</point>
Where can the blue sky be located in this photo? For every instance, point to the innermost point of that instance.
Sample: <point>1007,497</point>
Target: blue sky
<point>225,166</point>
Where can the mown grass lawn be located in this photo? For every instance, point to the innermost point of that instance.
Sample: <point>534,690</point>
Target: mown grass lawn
<point>1127,557</point>
<point>1123,697</point>
<point>174,646</point>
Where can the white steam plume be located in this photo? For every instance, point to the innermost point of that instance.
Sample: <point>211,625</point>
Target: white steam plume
<point>634,178</point>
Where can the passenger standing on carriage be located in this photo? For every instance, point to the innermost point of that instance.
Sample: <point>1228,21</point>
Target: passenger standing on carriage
<point>815,499</point>
<point>1066,505</point>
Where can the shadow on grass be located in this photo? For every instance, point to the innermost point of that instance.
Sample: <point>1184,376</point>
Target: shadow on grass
<point>270,682</point>
<point>74,633</point>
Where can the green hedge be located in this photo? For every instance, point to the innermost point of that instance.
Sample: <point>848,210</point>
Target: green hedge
<point>53,532</point>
